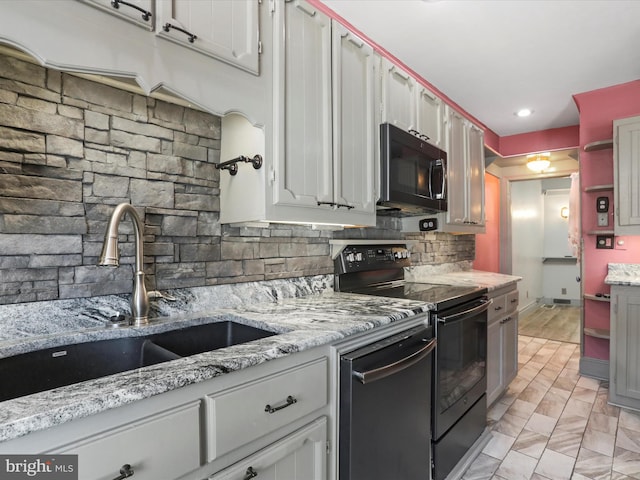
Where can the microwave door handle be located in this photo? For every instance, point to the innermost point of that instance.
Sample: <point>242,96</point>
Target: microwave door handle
<point>444,180</point>
<point>430,179</point>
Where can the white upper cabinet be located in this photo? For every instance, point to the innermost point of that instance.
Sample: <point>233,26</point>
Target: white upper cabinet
<point>465,176</point>
<point>398,96</point>
<point>429,119</point>
<point>302,84</point>
<point>319,145</point>
<point>225,29</point>
<point>140,12</point>
<point>626,157</point>
<point>353,122</point>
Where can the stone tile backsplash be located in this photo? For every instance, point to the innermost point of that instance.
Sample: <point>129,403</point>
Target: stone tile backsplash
<point>71,149</point>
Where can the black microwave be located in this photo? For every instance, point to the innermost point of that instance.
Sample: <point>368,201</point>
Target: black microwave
<point>413,173</point>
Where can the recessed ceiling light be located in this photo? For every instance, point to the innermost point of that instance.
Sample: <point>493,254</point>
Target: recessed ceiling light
<point>524,112</point>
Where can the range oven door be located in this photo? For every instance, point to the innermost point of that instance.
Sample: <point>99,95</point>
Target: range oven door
<point>460,362</point>
<point>385,408</point>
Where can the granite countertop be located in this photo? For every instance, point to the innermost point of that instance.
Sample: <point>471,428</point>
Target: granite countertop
<point>459,274</point>
<point>304,312</point>
<point>301,323</point>
<point>627,274</point>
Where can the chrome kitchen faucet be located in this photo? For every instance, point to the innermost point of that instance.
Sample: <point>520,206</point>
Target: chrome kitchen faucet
<point>110,256</point>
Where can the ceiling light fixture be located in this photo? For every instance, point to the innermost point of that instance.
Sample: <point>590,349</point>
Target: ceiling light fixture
<point>524,112</point>
<point>539,162</point>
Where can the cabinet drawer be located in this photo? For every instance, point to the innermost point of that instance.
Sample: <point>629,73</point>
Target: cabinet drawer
<point>497,309</point>
<point>512,301</point>
<point>166,445</point>
<point>241,415</point>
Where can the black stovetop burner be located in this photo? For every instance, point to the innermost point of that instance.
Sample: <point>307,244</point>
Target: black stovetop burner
<point>442,296</point>
<point>379,270</point>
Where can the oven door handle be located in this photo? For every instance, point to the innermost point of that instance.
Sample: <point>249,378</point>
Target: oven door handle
<point>394,367</point>
<point>472,311</point>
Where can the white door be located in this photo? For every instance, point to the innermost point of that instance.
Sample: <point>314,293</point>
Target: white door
<point>456,170</point>
<point>302,83</point>
<point>140,12</point>
<point>353,117</point>
<point>398,96</point>
<point>225,29</point>
<point>429,116</point>
<point>475,166</point>
<point>627,171</point>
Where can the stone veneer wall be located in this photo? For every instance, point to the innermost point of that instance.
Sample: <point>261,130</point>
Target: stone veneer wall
<point>71,149</point>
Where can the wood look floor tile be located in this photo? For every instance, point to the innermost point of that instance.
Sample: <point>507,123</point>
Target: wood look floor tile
<point>628,440</point>
<point>517,466</point>
<point>593,465</point>
<point>603,423</point>
<point>555,465</point>
<point>530,443</point>
<point>483,467</point>
<point>499,445</point>
<point>630,420</point>
<point>626,463</point>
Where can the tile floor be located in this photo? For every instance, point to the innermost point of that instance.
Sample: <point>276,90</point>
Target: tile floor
<point>554,424</point>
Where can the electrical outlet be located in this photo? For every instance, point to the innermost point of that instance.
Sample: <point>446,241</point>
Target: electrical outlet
<point>603,220</point>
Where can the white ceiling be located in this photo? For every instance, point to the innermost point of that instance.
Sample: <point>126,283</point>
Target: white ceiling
<point>493,57</point>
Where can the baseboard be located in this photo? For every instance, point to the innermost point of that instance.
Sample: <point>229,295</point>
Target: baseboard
<point>594,368</point>
<point>528,309</point>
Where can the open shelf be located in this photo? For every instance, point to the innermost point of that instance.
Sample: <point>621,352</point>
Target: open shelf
<point>597,332</point>
<point>600,232</point>
<point>599,188</point>
<point>588,296</point>
<point>560,260</point>
<point>599,145</point>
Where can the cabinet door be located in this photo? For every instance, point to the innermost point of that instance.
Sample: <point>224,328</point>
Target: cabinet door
<point>627,173</point>
<point>398,96</point>
<point>457,199</point>
<point>353,127</point>
<point>301,455</point>
<point>139,12</point>
<point>509,336</point>
<point>495,385</point>
<point>475,176</point>
<point>225,29</point>
<point>302,83</point>
<point>625,347</point>
<point>166,445</point>
<point>429,116</point>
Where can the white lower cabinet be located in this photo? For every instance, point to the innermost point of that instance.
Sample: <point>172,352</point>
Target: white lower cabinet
<point>502,341</point>
<point>252,410</point>
<point>164,445</point>
<point>624,349</point>
<point>299,456</point>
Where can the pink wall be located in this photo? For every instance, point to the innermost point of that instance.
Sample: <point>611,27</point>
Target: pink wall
<point>543,140</point>
<point>598,109</point>
<point>488,243</point>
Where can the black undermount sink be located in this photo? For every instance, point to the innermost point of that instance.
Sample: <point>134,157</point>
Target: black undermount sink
<point>42,370</point>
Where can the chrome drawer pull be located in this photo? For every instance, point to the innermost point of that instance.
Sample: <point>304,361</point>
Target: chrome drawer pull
<point>290,401</point>
<point>125,472</point>
<point>250,473</point>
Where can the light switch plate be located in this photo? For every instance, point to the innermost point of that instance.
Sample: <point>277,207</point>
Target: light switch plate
<point>603,220</point>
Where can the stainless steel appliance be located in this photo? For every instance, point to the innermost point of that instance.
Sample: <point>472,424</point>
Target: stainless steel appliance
<point>459,320</point>
<point>385,403</point>
<point>413,173</point>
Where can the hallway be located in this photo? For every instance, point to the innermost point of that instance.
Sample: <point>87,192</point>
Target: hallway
<point>553,424</point>
<point>553,322</point>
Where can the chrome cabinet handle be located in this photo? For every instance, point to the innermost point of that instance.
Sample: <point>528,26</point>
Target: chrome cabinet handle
<point>514,300</point>
<point>288,402</point>
<point>249,474</point>
<point>125,472</point>
<point>506,320</point>
<point>498,308</point>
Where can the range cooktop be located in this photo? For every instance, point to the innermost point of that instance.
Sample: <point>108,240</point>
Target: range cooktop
<point>443,296</point>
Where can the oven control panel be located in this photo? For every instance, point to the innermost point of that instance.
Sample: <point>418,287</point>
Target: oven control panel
<point>354,258</point>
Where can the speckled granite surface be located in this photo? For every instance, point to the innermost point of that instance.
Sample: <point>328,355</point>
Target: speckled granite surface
<point>305,312</point>
<point>314,319</point>
<point>458,274</point>
<point>623,274</point>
